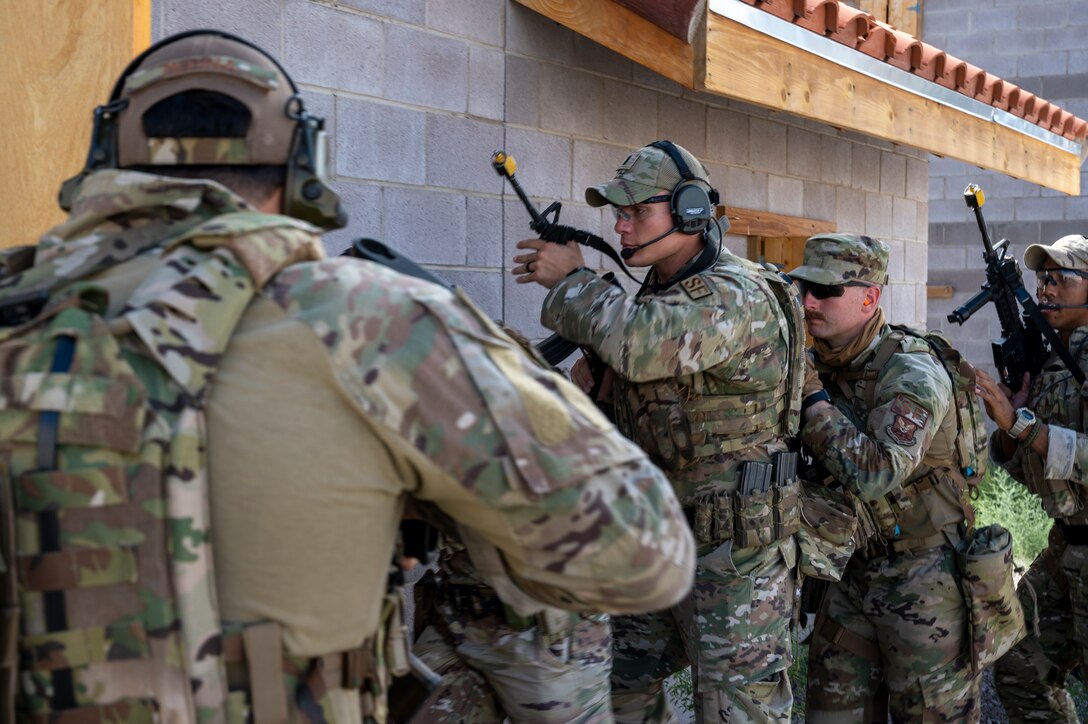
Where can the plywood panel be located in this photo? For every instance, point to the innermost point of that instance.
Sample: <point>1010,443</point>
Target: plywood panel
<point>745,64</point>
<point>60,60</point>
<point>625,32</point>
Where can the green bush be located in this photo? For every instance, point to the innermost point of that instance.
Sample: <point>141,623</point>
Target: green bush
<point>1003,500</point>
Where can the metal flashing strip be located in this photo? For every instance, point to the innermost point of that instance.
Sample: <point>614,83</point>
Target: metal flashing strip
<point>840,54</point>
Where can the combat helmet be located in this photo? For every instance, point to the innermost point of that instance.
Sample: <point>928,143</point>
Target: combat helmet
<point>280,131</point>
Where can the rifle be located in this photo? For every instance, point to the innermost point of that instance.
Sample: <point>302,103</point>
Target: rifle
<point>546,225</point>
<point>1021,347</point>
<point>554,349</point>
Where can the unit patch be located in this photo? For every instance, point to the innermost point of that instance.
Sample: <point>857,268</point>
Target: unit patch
<point>695,287</point>
<point>909,417</point>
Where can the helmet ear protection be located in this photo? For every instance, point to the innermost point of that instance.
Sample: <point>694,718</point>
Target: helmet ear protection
<point>298,137</point>
<point>692,201</point>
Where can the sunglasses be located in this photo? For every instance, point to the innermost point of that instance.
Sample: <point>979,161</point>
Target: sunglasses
<point>825,291</point>
<point>641,211</point>
<point>1046,277</point>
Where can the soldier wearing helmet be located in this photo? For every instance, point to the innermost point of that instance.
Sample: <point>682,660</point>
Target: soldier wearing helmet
<point>199,385</point>
<point>1041,441</point>
<point>879,418</point>
<point>699,364</point>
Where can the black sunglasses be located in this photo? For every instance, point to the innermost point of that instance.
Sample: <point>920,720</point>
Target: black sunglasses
<point>826,291</point>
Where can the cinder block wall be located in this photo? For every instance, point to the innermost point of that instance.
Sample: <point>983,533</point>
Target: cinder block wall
<point>1040,47</point>
<point>418,93</point>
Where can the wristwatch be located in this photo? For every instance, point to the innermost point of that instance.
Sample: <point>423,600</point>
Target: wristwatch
<point>1025,418</point>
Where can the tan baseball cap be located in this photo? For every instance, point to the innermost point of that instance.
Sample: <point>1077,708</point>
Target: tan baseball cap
<point>1068,252</point>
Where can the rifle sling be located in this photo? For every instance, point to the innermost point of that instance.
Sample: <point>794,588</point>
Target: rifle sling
<point>1056,343</point>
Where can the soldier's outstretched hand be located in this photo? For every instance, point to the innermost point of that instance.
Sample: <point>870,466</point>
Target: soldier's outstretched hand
<point>1000,401</point>
<point>548,262</point>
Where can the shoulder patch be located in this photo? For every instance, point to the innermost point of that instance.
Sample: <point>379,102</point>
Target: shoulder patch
<point>903,406</point>
<point>695,287</point>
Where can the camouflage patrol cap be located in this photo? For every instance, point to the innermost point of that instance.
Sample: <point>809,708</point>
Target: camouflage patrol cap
<point>1068,252</point>
<point>207,61</point>
<point>842,258</point>
<point>644,173</point>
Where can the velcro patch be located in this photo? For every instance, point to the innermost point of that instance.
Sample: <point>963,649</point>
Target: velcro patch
<point>902,430</point>
<point>695,287</point>
<point>908,408</point>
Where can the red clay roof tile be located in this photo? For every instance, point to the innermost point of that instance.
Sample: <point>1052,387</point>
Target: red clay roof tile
<point>861,31</point>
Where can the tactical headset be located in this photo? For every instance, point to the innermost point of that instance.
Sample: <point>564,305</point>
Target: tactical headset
<point>307,195</point>
<point>691,201</point>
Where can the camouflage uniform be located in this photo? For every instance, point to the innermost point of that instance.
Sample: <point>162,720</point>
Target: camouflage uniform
<point>700,383</point>
<point>898,616</point>
<point>394,387</point>
<point>1031,678</point>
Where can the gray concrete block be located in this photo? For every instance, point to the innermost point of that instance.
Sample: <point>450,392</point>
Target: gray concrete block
<point>917,179</point>
<point>921,223</point>
<point>969,47</point>
<point>596,58</point>
<point>836,160</point>
<point>522,91</point>
<point>486,81</point>
<point>767,146</point>
<point>410,11</point>
<point>915,262</point>
<point>900,303</point>
<point>572,101</point>
<point>1042,64</point>
<point>544,164</point>
<point>364,206</point>
<point>785,196</point>
<point>1048,209</point>
<point>1078,59</point>
<point>850,210</point>
<point>893,174</point>
<point>484,232</point>
<point>936,187</point>
<point>334,49</point>
<point>459,153</point>
<point>644,76</point>
<point>982,19</point>
<point>521,307</point>
<point>1042,15</point>
<point>480,20</point>
<point>865,168</point>
<point>944,211</point>
<point>904,218</point>
<point>594,163</point>
<point>1076,209</point>
<point>803,153</point>
<point>530,33</point>
<point>381,142</point>
<point>820,201</point>
<point>630,114</point>
<point>485,288</point>
<point>1059,88</point>
<point>683,122</point>
<point>1022,42</point>
<point>260,22</point>
<point>727,136</point>
<point>427,225</point>
<point>946,258</point>
<point>878,216</point>
<point>744,188</point>
<point>425,68</point>
<point>1049,231</point>
<point>895,259</point>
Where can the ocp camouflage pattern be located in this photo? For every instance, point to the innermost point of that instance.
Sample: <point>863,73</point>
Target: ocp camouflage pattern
<point>700,384</point>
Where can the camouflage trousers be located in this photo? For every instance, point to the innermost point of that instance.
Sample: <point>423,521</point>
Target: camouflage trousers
<point>492,671</point>
<point>734,632</point>
<point>894,624</point>
<point>1030,678</point>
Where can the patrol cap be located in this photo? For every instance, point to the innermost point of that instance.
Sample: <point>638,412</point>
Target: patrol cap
<point>1068,252</point>
<point>207,61</point>
<point>841,258</point>
<point>644,173</point>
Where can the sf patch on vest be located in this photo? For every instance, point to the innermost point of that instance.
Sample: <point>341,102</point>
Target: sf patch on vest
<point>695,287</point>
<point>909,417</point>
